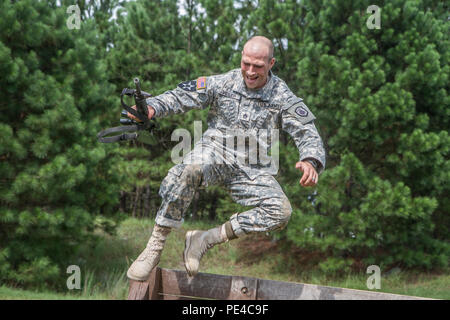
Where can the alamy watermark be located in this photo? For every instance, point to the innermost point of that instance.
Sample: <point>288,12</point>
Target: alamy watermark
<point>374,281</point>
<point>374,20</point>
<point>73,281</point>
<point>258,147</point>
<point>74,21</point>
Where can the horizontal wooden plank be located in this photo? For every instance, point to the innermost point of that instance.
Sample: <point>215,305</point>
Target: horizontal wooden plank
<point>170,284</point>
<point>174,297</point>
<point>243,288</point>
<point>203,285</point>
<point>278,290</point>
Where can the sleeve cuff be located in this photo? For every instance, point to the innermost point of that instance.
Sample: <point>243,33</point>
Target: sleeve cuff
<point>315,163</point>
<point>152,102</point>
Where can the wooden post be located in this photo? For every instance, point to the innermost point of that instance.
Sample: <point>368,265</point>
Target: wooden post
<point>155,284</point>
<point>146,290</point>
<point>138,290</point>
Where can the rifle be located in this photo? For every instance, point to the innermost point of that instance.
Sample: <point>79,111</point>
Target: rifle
<point>142,131</point>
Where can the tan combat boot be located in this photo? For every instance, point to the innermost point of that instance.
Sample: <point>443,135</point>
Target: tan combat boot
<point>198,241</point>
<point>149,258</point>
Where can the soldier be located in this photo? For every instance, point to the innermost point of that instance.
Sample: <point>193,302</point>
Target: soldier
<point>248,100</point>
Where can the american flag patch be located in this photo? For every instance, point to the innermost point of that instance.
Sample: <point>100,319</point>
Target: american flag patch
<point>201,83</point>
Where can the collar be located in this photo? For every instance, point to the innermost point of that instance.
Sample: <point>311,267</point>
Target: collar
<point>263,93</point>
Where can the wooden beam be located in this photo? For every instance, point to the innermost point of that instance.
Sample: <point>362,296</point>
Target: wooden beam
<point>170,284</point>
<point>243,288</point>
<point>278,290</point>
<point>203,285</point>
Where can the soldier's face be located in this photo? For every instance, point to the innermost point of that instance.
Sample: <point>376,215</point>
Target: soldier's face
<point>255,68</point>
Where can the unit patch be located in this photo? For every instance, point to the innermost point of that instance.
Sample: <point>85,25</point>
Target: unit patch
<point>188,85</point>
<point>301,111</point>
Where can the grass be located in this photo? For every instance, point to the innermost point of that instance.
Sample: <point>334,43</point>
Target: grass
<point>103,267</point>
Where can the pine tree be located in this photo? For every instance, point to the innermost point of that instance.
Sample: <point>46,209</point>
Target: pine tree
<point>380,96</point>
<point>56,187</point>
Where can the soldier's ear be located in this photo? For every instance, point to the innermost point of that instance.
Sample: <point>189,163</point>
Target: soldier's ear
<point>272,62</point>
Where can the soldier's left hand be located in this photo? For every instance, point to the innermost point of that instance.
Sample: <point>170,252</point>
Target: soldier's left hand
<point>310,175</point>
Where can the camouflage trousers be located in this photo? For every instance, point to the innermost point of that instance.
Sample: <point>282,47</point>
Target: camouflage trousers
<point>271,208</point>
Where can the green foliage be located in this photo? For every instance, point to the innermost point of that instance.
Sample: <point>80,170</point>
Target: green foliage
<point>359,218</point>
<point>56,184</point>
<point>381,100</point>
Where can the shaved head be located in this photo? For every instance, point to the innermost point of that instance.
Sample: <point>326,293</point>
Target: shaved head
<point>260,45</point>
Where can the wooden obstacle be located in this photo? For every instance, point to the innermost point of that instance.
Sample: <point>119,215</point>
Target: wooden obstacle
<point>167,284</point>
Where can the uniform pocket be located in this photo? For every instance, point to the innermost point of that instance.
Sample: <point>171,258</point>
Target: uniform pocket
<point>259,119</point>
<point>171,181</point>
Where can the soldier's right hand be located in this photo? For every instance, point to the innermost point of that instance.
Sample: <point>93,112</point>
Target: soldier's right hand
<point>151,113</point>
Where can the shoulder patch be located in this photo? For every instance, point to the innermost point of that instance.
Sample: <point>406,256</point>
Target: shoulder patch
<point>193,85</point>
<point>188,85</point>
<point>301,112</point>
<point>201,83</point>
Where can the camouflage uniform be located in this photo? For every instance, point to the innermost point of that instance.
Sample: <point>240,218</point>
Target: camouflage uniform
<point>252,113</point>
